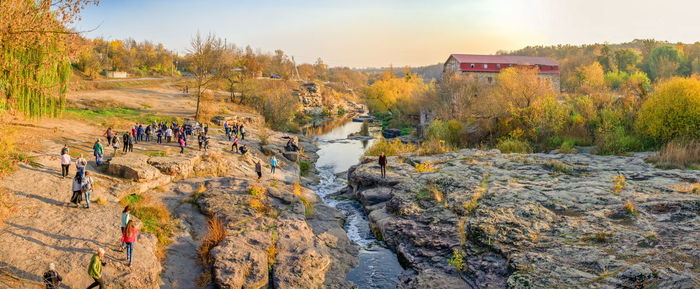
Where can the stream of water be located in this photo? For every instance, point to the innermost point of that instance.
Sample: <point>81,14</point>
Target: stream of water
<point>378,266</point>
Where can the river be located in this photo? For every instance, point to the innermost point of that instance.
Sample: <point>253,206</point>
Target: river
<point>378,267</point>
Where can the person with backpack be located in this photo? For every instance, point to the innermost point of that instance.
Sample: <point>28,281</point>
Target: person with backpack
<point>52,279</point>
<point>86,188</point>
<point>129,239</point>
<point>115,145</point>
<point>126,216</point>
<point>159,136</point>
<point>95,269</point>
<point>133,133</point>
<point>80,165</point>
<point>77,196</point>
<point>149,131</point>
<point>273,164</point>
<point>258,169</point>
<point>97,151</point>
<point>65,163</point>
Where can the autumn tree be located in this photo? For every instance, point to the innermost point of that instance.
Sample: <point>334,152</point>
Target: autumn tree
<point>383,95</point>
<point>672,111</point>
<point>204,56</point>
<point>34,67</point>
<point>664,62</point>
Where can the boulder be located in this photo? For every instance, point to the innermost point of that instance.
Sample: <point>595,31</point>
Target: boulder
<point>133,166</point>
<point>241,261</point>
<point>292,156</point>
<point>269,149</point>
<point>391,133</point>
<point>374,196</point>
<point>179,165</point>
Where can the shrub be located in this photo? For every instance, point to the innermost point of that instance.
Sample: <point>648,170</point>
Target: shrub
<point>558,166</point>
<point>425,167</point>
<point>619,184</point>
<point>304,167</point>
<point>390,148</point>
<point>511,145</point>
<point>264,136</point>
<point>449,132</point>
<point>617,141</point>
<point>672,111</point>
<point>567,147</point>
<point>678,154</point>
<point>154,217</point>
<point>309,207</point>
<point>457,260</point>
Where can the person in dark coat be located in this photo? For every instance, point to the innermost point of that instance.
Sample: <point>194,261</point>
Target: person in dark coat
<point>382,164</point>
<point>52,279</point>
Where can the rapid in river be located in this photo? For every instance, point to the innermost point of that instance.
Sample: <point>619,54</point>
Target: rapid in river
<point>378,267</point>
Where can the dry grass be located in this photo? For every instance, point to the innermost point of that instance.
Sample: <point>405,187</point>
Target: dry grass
<point>272,250</point>
<point>689,188</point>
<point>390,148</point>
<point>257,191</point>
<point>630,208</point>
<point>260,206</point>
<point>154,216</point>
<point>309,207</point>
<point>216,232</point>
<point>425,167</point>
<point>678,154</point>
<point>100,201</point>
<point>264,136</point>
<point>433,147</point>
<point>473,202</point>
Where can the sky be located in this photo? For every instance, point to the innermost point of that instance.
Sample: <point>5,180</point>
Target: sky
<point>379,33</point>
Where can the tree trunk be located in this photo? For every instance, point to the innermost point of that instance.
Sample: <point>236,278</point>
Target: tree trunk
<point>199,97</point>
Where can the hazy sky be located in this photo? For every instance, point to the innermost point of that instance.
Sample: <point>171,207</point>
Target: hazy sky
<point>361,33</point>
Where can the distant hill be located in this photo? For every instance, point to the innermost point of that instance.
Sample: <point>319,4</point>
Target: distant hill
<point>428,72</point>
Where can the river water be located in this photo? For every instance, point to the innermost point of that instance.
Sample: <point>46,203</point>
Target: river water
<point>378,266</point>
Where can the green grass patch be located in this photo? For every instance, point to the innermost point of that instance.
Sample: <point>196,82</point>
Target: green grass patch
<point>155,219</point>
<point>304,167</point>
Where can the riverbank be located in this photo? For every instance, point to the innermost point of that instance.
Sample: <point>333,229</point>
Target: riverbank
<point>477,219</point>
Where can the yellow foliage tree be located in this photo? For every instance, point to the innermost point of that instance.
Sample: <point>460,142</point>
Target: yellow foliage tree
<point>672,111</point>
<point>383,95</point>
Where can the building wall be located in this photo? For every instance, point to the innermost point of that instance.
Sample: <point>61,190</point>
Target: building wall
<point>490,78</point>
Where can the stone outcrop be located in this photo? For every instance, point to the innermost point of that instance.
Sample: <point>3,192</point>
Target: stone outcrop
<point>284,239</point>
<point>534,221</point>
<point>132,166</point>
<point>179,165</point>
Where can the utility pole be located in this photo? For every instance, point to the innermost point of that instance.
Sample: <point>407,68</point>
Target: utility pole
<point>296,71</point>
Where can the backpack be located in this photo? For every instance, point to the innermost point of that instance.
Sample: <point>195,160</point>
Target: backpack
<point>86,186</point>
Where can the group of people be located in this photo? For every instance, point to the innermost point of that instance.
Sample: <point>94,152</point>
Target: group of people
<point>233,131</point>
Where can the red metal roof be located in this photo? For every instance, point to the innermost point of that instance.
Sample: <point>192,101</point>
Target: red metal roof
<point>504,59</point>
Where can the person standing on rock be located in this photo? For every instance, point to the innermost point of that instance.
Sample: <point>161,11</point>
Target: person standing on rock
<point>242,130</point>
<point>149,131</point>
<point>182,144</point>
<point>126,217</point>
<point>97,151</point>
<point>258,169</point>
<point>86,188</point>
<point>134,132</point>
<point>65,163</point>
<point>382,164</point>
<point>95,269</point>
<point>227,130</point>
<point>80,165</point>
<point>129,239</point>
<point>168,135</point>
<point>159,136</point>
<point>115,145</point>
<point>273,164</point>
<point>109,134</point>
<point>52,279</point>
<point>130,143</point>
<point>234,146</point>
<point>200,140</point>
<point>77,196</point>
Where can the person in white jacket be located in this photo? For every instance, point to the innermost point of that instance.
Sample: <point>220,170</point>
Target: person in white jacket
<point>65,163</point>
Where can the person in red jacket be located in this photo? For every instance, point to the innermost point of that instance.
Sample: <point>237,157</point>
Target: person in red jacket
<point>382,164</point>
<point>129,238</point>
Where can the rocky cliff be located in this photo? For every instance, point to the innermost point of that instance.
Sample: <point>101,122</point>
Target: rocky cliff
<point>475,219</point>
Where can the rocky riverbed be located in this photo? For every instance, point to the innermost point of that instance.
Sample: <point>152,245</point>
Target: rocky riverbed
<point>477,219</point>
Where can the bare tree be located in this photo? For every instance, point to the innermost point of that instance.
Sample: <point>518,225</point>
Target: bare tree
<point>205,65</point>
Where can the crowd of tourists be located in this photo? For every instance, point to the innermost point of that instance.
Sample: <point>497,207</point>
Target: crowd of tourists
<point>156,132</point>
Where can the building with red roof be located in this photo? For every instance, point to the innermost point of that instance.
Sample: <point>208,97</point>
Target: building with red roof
<point>486,67</point>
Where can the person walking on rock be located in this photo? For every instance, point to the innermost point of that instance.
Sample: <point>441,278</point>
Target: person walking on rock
<point>129,239</point>
<point>86,188</point>
<point>273,164</point>
<point>382,164</point>
<point>242,130</point>
<point>125,218</point>
<point>95,269</point>
<point>65,163</point>
<point>258,169</point>
<point>77,196</point>
<point>80,165</point>
<point>182,143</point>
<point>168,135</point>
<point>98,151</point>
<point>234,146</point>
<point>52,279</point>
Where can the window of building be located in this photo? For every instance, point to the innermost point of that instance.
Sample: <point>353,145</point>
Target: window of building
<point>552,67</point>
<point>498,66</point>
<point>486,66</point>
<point>472,65</point>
